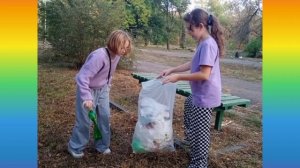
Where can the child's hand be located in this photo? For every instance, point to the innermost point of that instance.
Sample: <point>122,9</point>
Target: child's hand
<point>88,104</point>
<point>165,73</point>
<point>172,78</point>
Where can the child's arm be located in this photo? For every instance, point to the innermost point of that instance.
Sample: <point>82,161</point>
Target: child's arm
<point>181,68</point>
<point>86,74</point>
<point>203,74</point>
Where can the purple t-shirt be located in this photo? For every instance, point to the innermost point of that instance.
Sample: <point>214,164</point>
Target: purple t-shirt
<point>94,72</point>
<point>207,93</point>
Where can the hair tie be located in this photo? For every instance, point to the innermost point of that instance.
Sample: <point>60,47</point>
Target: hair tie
<point>210,20</point>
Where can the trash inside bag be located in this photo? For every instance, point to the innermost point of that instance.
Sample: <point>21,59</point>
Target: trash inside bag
<point>153,131</point>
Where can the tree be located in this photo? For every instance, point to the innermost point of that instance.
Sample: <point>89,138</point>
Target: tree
<point>181,8</point>
<point>241,20</point>
<point>42,20</point>
<point>163,26</point>
<point>75,28</point>
<point>156,27</point>
<point>249,21</point>
<point>137,18</point>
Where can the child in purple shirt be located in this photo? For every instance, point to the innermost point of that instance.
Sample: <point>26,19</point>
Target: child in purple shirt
<point>205,81</point>
<point>93,83</point>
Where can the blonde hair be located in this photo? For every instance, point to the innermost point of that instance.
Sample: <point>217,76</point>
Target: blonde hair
<point>117,39</point>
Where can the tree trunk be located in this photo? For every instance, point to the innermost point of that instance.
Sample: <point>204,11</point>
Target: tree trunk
<point>182,37</point>
<point>168,45</point>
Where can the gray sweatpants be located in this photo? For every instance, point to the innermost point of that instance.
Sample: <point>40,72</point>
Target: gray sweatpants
<point>81,131</point>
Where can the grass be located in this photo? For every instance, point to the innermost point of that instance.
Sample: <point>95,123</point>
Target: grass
<point>253,120</point>
<point>56,118</point>
<point>242,72</point>
<point>230,115</point>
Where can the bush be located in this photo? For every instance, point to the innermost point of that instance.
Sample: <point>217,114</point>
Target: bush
<point>75,28</point>
<point>253,47</point>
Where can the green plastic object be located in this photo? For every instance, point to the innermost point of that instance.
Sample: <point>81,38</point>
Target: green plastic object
<point>137,146</point>
<point>93,117</point>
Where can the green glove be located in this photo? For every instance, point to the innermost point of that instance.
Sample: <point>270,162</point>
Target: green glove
<point>93,117</point>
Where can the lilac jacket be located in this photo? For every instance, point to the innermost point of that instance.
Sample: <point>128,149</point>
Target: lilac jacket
<point>94,72</point>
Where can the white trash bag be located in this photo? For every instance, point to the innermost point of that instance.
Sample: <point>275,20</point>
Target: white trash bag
<point>153,130</point>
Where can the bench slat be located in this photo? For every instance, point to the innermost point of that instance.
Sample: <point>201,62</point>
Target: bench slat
<point>236,102</point>
<point>223,98</point>
<point>226,94</point>
<point>184,87</point>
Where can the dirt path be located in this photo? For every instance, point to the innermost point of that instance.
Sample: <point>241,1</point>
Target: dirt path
<point>246,89</point>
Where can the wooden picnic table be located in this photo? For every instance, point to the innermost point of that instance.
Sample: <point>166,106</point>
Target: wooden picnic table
<point>183,88</point>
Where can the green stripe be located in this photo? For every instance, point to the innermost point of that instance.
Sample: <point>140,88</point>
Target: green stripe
<point>223,98</point>
<point>236,102</point>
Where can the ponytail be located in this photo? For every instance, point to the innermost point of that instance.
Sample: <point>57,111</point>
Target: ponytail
<point>216,31</point>
<point>210,22</point>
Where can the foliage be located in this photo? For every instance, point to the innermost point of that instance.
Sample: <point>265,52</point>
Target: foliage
<point>242,20</point>
<point>41,20</point>
<point>254,46</point>
<point>137,14</point>
<point>218,9</point>
<point>157,31</point>
<point>248,21</point>
<point>165,23</point>
<point>75,28</point>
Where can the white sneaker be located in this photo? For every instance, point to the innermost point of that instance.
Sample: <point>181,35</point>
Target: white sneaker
<point>106,152</point>
<point>76,155</point>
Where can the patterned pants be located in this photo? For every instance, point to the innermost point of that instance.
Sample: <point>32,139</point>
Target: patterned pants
<point>197,132</point>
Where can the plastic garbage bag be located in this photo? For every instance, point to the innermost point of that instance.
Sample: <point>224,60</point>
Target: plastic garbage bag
<point>153,130</point>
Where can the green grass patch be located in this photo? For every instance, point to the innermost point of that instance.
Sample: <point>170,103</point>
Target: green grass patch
<point>230,114</point>
<point>253,120</point>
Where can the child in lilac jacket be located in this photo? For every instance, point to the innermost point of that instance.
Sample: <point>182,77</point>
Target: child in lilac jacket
<point>93,83</point>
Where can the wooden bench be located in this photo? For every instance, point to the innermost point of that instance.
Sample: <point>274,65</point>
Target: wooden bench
<point>183,88</point>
